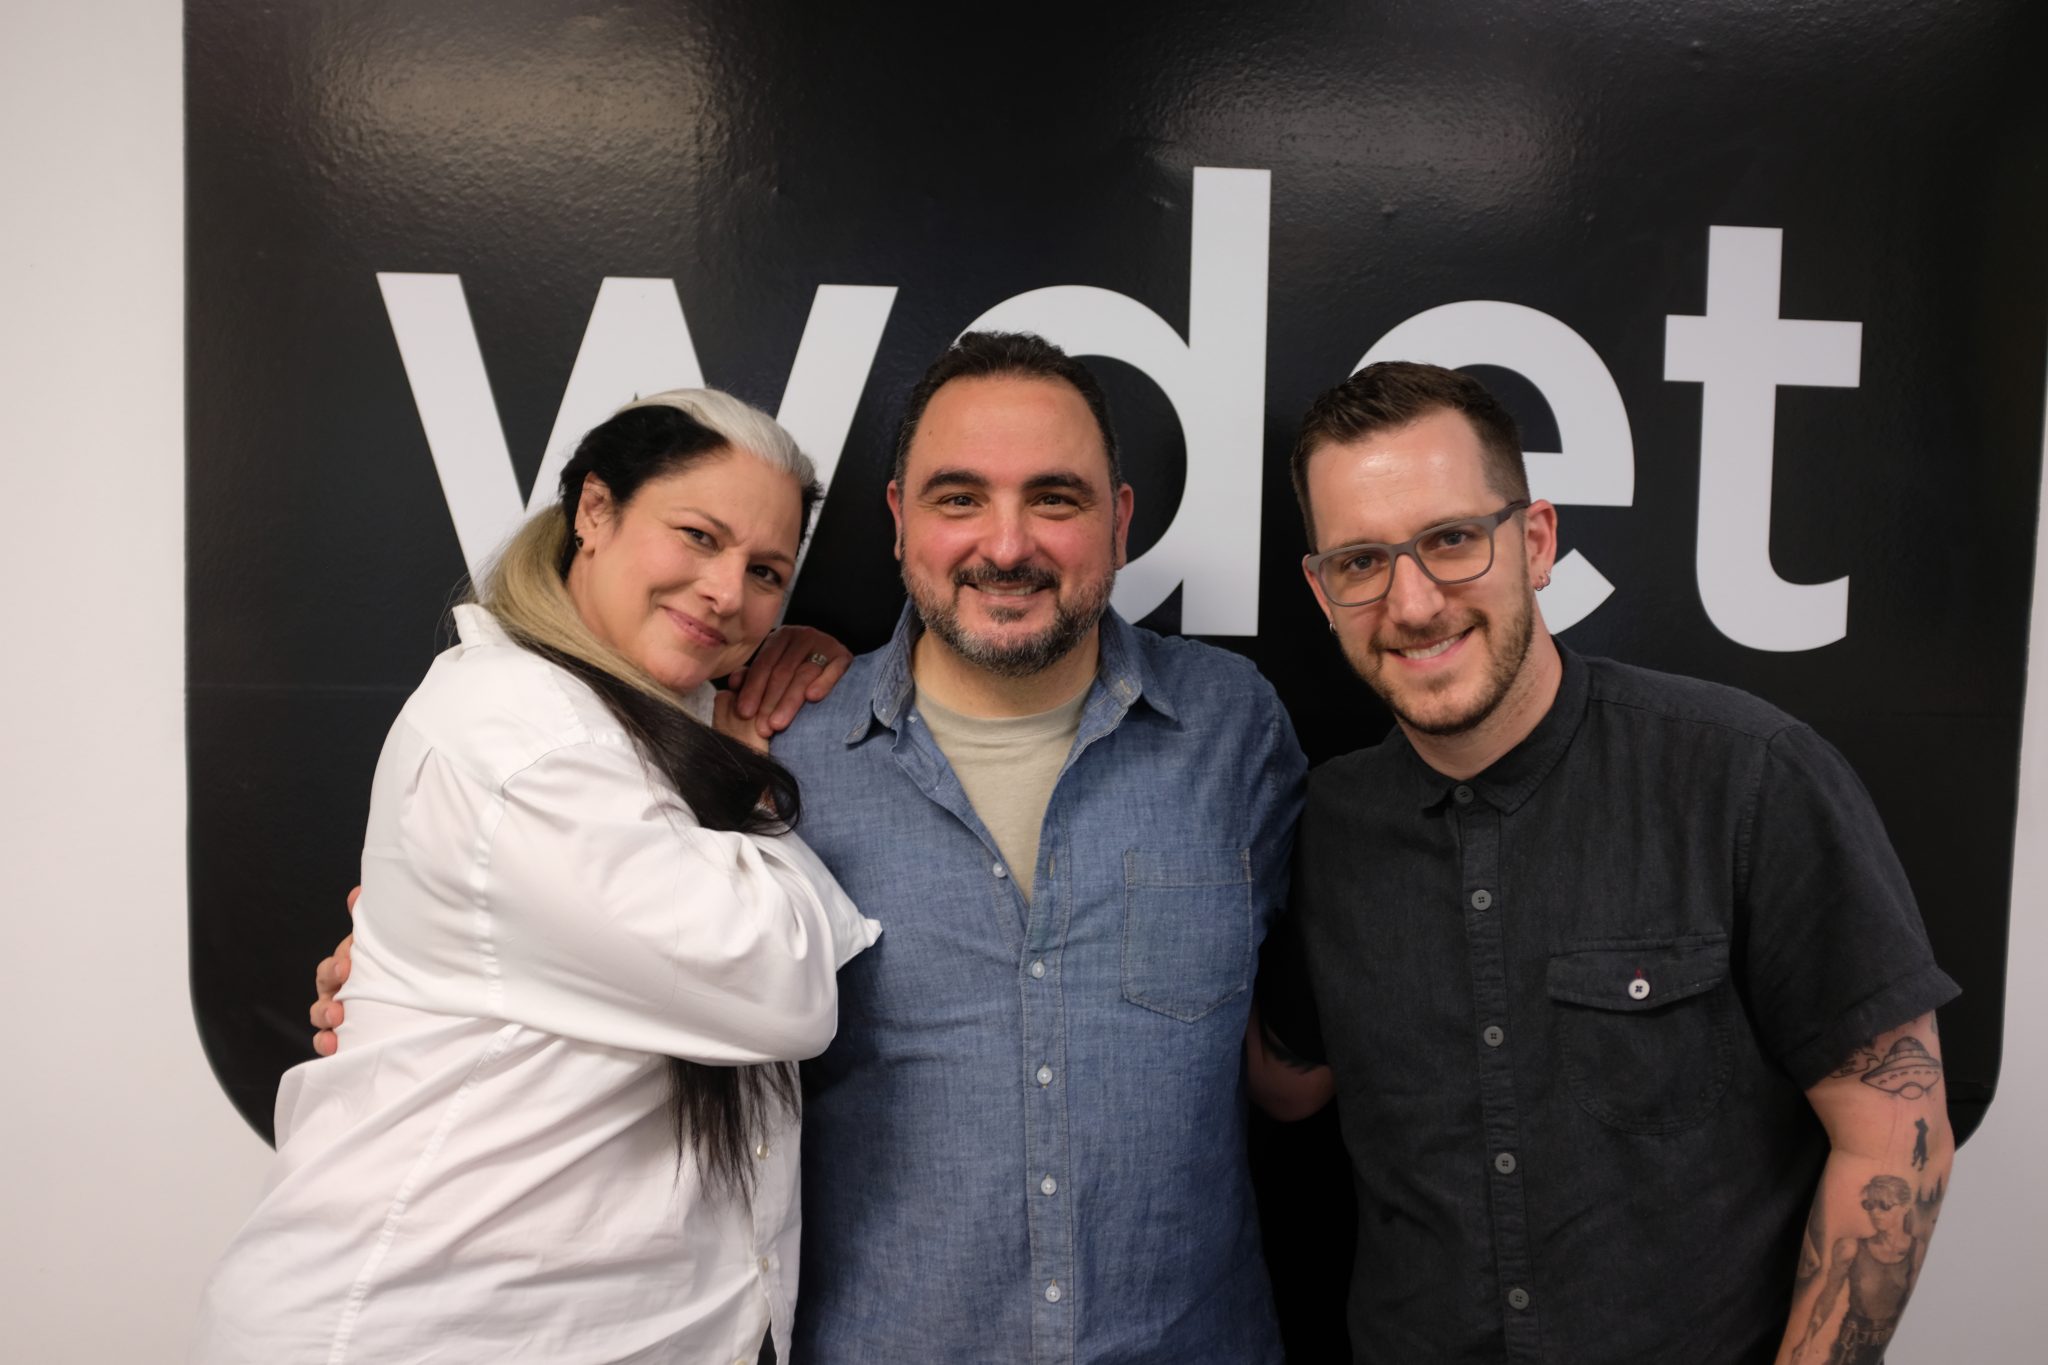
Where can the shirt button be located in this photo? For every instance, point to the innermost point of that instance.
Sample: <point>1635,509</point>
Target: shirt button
<point>1505,1163</point>
<point>1639,989</point>
<point>1481,898</point>
<point>1000,870</point>
<point>1045,1075</point>
<point>1494,1035</point>
<point>1038,969</point>
<point>1048,1186</point>
<point>1052,1292</point>
<point>1518,1297</point>
<point>761,1152</point>
<point>1462,794</point>
<point>764,1265</point>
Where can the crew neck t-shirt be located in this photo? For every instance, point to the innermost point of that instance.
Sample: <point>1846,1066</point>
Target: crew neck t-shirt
<point>1007,765</point>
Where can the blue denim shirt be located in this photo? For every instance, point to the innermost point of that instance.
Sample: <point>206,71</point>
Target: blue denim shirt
<point>1027,1142</point>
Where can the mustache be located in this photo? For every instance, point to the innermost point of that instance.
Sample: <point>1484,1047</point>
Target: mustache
<point>989,576</point>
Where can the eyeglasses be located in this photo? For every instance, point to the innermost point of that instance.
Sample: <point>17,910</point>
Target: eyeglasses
<point>1454,552</point>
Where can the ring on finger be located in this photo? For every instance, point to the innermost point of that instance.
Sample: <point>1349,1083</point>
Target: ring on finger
<point>818,657</point>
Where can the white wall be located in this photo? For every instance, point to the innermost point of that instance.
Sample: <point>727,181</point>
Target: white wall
<point>125,1168</point>
<point>1976,1300</point>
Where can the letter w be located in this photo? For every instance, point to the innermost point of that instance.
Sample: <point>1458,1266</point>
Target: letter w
<point>637,343</point>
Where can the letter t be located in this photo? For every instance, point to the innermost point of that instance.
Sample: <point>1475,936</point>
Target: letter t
<point>1741,350</point>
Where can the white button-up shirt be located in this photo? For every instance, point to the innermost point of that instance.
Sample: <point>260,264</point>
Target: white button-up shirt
<point>486,1170</point>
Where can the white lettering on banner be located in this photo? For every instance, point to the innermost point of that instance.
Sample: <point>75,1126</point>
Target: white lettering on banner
<point>1216,381</point>
<point>637,342</point>
<point>1742,351</point>
<point>1597,465</point>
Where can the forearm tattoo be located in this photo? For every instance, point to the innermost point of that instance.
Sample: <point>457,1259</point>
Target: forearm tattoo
<point>1875,1261</point>
<point>1878,1270</point>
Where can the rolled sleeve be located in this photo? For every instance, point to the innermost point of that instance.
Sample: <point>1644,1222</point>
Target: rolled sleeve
<point>1836,952</point>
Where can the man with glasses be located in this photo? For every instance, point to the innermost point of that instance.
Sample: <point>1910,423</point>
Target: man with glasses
<point>1616,978</point>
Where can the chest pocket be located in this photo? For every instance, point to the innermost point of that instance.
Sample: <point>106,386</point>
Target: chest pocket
<point>1643,1030</point>
<point>1187,929</point>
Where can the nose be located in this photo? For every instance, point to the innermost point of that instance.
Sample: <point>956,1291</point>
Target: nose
<point>722,581</point>
<point>1008,542</point>
<point>1413,598</point>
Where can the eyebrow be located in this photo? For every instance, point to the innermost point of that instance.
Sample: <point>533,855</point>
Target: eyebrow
<point>1431,526</point>
<point>719,525</point>
<point>972,478</point>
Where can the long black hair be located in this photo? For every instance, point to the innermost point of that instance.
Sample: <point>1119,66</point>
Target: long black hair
<point>726,784</point>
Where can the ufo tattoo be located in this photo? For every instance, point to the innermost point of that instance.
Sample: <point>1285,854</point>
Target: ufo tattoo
<point>1908,1070</point>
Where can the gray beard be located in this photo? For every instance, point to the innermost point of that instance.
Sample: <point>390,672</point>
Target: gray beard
<point>1024,658</point>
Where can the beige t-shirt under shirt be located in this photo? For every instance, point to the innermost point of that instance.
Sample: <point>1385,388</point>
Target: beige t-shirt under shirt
<point>1007,765</point>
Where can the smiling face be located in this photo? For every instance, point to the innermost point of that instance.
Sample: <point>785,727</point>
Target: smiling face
<point>688,576</point>
<point>1007,526</point>
<point>1446,660</point>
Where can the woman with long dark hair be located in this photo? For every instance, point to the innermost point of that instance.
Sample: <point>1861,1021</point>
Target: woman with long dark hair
<point>563,1123</point>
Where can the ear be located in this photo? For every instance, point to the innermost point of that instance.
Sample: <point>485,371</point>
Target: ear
<point>894,494</point>
<point>1539,539</point>
<point>595,510</point>
<point>1125,501</point>
<point>1315,585</point>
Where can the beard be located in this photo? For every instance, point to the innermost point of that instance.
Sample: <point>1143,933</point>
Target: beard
<point>1073,617</point>
<point>1509,640</point>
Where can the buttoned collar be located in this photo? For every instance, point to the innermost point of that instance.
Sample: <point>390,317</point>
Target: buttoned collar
<point>1121,670</point>
<point>1513,777</point>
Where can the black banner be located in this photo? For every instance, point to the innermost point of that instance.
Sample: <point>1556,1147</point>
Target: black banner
<point>1765,287</point>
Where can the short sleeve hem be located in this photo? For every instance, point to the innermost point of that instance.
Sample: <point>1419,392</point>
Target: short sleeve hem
<point>1898,1001</point>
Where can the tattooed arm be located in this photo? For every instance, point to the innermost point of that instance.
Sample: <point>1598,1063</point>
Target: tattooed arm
<point>1879,1196</point>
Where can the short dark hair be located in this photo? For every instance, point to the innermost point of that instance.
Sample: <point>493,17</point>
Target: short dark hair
<point>998,355</point>
<point>1394,393</point>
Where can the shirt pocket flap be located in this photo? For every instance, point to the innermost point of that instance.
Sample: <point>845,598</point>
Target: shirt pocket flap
<point>1187,867</point>
<point>1642,975</point>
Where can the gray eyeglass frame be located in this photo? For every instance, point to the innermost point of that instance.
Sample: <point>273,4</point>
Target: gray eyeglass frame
<point>1313,564</point>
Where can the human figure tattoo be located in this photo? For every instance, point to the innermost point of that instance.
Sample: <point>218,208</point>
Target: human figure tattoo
<point>1920,1145</point>
<point>1878,1271</point>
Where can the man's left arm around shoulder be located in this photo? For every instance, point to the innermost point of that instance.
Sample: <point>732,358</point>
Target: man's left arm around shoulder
<point>1890,1152</point>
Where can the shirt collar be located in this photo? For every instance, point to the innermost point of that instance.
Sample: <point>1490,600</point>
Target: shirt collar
<point>1513,777</point>
<point>1122,670</point>
<point>475,625</point>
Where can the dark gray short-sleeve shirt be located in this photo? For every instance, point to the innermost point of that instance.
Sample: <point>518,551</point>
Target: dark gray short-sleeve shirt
<point>1572,1005</point>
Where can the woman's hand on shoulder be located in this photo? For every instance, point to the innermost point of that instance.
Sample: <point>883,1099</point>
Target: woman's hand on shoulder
<point>327,980</point>
<point>795,665</point>
<point>726,719</point>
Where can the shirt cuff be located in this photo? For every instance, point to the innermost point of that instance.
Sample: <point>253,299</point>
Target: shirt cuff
<point>1897,1002</point>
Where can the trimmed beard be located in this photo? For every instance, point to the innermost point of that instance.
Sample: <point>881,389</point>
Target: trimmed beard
<point>1071,623</point>
<point>1512,650</point>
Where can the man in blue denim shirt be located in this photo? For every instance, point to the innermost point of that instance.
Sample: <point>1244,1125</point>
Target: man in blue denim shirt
<point>1028,1141</point>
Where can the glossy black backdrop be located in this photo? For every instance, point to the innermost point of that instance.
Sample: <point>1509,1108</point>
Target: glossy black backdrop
<point>1567,156</point>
